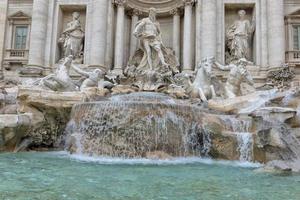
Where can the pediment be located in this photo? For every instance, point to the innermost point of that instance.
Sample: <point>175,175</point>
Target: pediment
<point>163,6</point>
<point>19,15</point>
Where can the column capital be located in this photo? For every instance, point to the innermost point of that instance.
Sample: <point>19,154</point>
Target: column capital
<point>135,12</point>
<point>188,2</point>
<point>175,11</point>
<point>120,2</point>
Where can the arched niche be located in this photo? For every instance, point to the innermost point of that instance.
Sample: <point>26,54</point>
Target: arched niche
<point>163,6</point>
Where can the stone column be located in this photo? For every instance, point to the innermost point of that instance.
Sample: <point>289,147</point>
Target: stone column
<point>3,16</point>
<point>198,31</point>
<point>276,33</point>
<point>38,33</point>
<point>119,38</point>
<point>9,35</point>
<point>133,39</point>
<point>264,34</point>
<point>110,35</point>
<point>209,29</point>
<point>176,32</point>
<point>98,47</point>
<point>187,36</point>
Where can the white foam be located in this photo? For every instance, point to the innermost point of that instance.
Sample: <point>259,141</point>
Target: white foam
<point>143,161</point>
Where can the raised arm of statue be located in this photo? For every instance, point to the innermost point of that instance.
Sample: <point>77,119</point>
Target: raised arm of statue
<point>159,32</point>
<point>222,67</point>
<point>137,31</point>
<point>248,78</point>
<point>80,71</point>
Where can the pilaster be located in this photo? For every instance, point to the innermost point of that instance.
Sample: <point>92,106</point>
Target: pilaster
<point>176,31</point>
<point>38,33</point>
<point>3,17</point>
<point>187,36</point>
<point>119,39</point>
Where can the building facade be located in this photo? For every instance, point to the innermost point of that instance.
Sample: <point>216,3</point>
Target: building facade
<point>31,32</point>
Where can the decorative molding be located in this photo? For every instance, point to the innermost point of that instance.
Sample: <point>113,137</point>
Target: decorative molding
<point>19,16</point>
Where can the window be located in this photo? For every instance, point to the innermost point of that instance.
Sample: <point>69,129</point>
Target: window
<point>21,37</point>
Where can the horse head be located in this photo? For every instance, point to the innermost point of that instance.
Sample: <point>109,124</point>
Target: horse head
<point>206,65</point>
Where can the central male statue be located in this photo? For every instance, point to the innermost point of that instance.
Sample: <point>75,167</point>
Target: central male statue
<point>148,32</point>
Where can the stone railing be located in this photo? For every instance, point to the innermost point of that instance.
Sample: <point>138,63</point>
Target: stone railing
<point>293,57</point>
<point>15,56</point>
<point>16,53</point>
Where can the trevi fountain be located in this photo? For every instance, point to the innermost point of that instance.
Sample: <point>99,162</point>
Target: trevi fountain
<point>154,128</point>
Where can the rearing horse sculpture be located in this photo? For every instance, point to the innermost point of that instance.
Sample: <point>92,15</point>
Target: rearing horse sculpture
<point>202,86</point>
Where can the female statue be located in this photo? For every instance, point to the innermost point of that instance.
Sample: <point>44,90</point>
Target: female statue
<point>72,39</point>
<point>238,37</point>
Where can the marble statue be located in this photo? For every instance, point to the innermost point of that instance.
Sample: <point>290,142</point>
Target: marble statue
<point>60,80</point>
<point>148,32</point>
<point>238,73</point>
<point>93,79</point>
<point>238,37</point>
<point>153,65</point>
<point>71,41</point>
<point>202,86</point>
<point>155,56</point>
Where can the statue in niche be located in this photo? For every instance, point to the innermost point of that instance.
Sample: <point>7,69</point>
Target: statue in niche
<point>238,38</point>
<point>93,79</point>
<point>238,73</point>
<point>148,32</point>
<point>153,63</point>
<point>71,41</point>
<point>60,80</point>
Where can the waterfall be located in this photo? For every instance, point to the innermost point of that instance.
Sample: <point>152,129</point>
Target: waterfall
<point>137,124</point>
<point>245,146</point>
<point>241,128</point>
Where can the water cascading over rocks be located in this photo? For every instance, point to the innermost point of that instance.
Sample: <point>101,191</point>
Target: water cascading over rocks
<point>241,129</point>
<point>134,125</point>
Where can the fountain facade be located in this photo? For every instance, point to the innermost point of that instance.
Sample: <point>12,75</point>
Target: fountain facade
<point>154,108</point>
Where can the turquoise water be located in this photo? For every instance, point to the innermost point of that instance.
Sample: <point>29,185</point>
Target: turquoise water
<point>51,176</point>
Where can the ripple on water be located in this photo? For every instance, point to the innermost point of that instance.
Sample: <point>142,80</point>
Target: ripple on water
<point>144,161</point>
